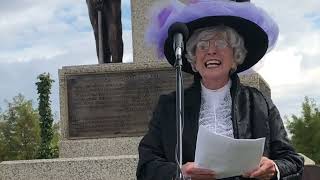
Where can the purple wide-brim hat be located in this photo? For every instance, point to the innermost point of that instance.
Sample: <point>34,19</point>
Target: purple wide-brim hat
<point>257,28</point>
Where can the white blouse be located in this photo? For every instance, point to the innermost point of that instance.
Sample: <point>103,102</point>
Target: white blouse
<point>215,110</point>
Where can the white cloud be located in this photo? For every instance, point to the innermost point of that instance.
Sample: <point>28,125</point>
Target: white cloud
<point>39,24</point>
<point>282,67</point>
<point>291,69</point>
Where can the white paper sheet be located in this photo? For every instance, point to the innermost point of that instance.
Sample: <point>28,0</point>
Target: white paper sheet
<point>226,156</point>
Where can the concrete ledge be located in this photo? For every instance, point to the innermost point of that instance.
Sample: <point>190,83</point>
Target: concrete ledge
<point>307,160</point>
<point>99,147</point>
<point>106,168</point>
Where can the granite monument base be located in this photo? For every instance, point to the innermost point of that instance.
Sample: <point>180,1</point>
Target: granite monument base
<point>99,147</point>
<point>90,155</point>
<point>95,168</point>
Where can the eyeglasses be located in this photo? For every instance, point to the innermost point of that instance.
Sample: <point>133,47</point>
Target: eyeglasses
<point>204,45</point>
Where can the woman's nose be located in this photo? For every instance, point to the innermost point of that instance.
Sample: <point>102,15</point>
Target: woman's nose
<point>212,49</point>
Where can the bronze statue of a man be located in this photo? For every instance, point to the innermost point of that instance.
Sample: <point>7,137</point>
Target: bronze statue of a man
<point>111,44</point>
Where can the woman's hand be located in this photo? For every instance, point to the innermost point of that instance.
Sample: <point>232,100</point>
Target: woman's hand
<point>265,171</point>
<point>191,170</point>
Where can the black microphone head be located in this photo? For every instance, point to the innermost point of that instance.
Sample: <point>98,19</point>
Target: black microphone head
<point>178,27</point>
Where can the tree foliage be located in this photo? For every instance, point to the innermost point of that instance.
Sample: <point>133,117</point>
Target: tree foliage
<point>305,130</point>
<point>46,119</point>
<point>55,140</point>
<point>19,130</point>
<point>28,133</point>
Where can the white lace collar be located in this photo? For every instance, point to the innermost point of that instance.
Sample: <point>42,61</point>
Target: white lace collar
<point>215,110</point>
<point>216,94</point>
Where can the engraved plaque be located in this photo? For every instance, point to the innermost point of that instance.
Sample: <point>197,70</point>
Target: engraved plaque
<point>115,104</point>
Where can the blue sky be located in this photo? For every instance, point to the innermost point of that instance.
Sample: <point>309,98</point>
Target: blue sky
<point>42,36</point>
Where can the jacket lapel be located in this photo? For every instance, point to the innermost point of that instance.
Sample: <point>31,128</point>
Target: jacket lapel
<point>191,111</point>
<point>234,91</point>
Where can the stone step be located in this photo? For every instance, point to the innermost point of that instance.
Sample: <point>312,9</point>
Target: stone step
<point>95,168</point>
<point>99,147</point>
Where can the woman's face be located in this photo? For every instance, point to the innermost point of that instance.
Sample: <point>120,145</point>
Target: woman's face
<point>214,58</point>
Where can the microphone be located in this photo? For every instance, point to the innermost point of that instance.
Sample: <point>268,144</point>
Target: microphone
<point>179,32</point>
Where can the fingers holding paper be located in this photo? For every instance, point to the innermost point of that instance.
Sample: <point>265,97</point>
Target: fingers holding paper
<point>266,170</point>
<point>190,169</point>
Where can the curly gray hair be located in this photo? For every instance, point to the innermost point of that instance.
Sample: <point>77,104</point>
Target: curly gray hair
<point>233,38</point>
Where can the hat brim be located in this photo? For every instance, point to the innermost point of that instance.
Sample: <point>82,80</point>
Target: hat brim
<point>255,39</point>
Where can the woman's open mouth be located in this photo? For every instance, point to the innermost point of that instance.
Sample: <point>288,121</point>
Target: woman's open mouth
<point>212,63</point>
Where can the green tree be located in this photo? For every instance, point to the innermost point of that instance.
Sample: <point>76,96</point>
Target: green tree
<point>44,90</point>
<point>2,140</point>
<point>305,130</point>
<point>55,140</point>
<point>19,130</point>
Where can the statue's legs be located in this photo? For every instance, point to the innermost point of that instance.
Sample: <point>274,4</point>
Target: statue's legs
<point>106,46</point>
<point>93,14</point>
<point>113,18</point>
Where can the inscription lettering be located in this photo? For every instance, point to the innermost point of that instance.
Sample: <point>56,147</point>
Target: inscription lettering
<point>115,104</point>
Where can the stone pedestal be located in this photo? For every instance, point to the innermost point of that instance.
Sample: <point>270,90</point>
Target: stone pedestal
<point>99,147</point>
<point>111,100</point>
<point>140,14</point>
<point>102,168</point>
<point>114,157</point>
<point>110,144</point>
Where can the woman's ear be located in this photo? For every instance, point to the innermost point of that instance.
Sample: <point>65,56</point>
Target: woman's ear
<point>193,65</point>
<point>233,68</point>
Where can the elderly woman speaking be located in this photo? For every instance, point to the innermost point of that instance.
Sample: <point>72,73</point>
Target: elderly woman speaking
<point>227,37</point>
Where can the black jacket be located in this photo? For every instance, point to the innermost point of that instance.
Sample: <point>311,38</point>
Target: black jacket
<point>253,116</point>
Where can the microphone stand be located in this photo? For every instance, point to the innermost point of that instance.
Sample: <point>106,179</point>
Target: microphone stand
<point>99,7</point>
<point>179,111</point>
<point>180,33</point>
